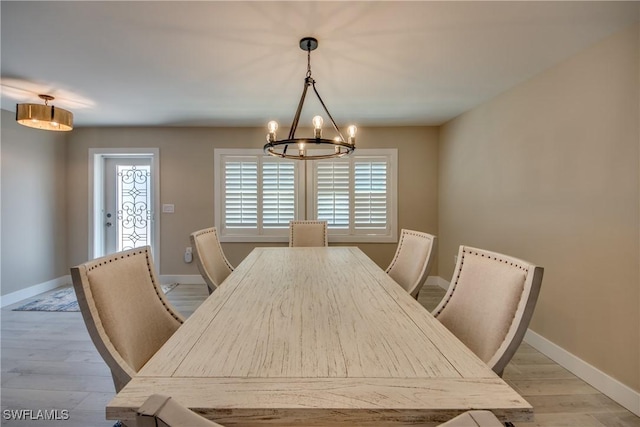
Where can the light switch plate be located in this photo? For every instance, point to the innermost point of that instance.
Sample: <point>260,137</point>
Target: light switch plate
<point>168,208</point>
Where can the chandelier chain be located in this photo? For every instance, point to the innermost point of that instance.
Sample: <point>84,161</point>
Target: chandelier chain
<point>308,63</point>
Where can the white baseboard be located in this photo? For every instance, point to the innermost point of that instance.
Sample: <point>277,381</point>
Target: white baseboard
<point>34,290</point>
<point>606,384</point>
<point>185,279</point>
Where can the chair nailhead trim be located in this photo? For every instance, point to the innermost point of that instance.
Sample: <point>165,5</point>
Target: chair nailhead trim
<point>214,231</point>
<point>149,269</point>
<point>405,233</point>
<point>156,289</point>
<point>524,268</point>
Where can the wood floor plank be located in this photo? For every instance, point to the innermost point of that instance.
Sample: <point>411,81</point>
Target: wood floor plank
<point>95,401</point>
<point>78,418</point>
<point>18,398</point>
<point>39,367</point>
<point>82,383</point>
<point>575,403</point>
<point>563,420</point>
<point>618,419</point>
<point>553,387</point>
<point>544,371</point>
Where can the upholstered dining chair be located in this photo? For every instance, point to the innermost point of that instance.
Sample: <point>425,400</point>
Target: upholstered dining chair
<point>474,419</point>
<point>308,233</point>
<point>163,411</point>
<point>489,303</point>
<point>125,310</point>
<point>412,262</point>
<point>212,263</point>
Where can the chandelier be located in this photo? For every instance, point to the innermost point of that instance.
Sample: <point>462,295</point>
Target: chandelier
<point>299,151</point>
<point>45,117</point>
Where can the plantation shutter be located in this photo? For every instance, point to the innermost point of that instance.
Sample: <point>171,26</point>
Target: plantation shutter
<point>241,193</point>
<point>278,193</point>
<point>370,195</point>
<point>332,197</point>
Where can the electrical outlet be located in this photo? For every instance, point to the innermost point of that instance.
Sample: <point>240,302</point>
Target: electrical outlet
<point>188,254</point>
<point>455,259</point>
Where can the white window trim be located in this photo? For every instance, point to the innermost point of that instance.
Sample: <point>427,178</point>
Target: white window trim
<point>305,173</point>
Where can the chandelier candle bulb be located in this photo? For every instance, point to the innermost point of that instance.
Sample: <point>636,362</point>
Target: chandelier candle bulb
<point>317,126</point>
<point>352,130</point>
<point>272,127</point>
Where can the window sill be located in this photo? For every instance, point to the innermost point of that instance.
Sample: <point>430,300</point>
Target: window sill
<point>285,239</point>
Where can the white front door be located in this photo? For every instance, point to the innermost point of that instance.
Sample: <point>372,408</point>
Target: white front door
<point>124,200</point>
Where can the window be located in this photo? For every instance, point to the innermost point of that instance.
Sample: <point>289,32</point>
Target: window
<point>355,195</point>
<point>332,192</point>
<point>278,192</point>
<point>241,193</point>
<point>257,195</point>
<point>370,198</point>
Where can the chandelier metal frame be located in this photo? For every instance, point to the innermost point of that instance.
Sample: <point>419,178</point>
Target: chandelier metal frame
<point>278,148</point>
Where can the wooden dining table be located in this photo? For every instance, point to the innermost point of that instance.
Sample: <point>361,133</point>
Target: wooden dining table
<point>317,336</point>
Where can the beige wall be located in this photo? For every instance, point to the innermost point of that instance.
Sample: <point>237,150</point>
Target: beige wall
<point>33,205</point>
<point>548,172</point>
<point>187,175</point>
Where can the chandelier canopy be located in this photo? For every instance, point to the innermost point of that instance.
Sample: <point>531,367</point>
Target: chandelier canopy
<point>45,117</point>
<point>278,148</point>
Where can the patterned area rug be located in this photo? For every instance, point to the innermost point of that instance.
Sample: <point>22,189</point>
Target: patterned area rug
<point>65,300</point>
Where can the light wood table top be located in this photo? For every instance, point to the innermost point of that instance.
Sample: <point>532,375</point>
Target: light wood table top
<point>317,336</point>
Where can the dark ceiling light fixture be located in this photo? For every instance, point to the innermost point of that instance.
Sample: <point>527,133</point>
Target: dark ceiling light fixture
<point>45,117</point>
<point>278,148</point>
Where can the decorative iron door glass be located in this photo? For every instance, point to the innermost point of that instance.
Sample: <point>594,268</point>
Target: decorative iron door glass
<point>128,210</point>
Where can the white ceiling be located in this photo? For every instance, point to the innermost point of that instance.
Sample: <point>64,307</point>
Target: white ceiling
<point>239,63</point>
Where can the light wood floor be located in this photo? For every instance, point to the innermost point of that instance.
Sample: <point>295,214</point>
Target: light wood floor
<point>49,362</point>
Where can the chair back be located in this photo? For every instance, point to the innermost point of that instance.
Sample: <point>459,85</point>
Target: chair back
<point>212,263</point>
<point>474,418</point>
<point>489,303</point>
<point>412,262</point>
<point>162,411</point>
<point>125,310</point>
<point>308,233</point>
